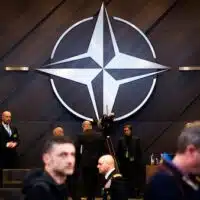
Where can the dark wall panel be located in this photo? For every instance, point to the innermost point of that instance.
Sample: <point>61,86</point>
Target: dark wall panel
<point>29,31</point>
<point>20,18</point>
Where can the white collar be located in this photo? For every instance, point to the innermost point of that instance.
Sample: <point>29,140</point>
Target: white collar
<point>109,172</point>
<point>5,125</point>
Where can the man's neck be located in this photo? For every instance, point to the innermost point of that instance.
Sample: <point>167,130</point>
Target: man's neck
<point>59,179</point>
<point>5,123</point>
<point>109,172</point>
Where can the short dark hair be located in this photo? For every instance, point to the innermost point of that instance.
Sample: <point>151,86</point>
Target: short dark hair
<point>55,140</point>
<point>189,135</point>
<point>128,126</point>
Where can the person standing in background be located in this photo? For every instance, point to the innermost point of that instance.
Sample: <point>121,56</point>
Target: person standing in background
<point>90,146</point>
<point>130,159</point>
<point>9,141</point>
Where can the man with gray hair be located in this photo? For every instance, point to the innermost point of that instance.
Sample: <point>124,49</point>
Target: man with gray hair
<point>176,178</point>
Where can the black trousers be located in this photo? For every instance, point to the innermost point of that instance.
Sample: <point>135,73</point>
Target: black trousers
<point>131,173</point>
<point>74,188</point>
<point>8,160</point>
<point>90,181</point>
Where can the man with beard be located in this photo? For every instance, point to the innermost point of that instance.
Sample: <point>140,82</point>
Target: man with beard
<point>130,161</point>
<point>59,160</point>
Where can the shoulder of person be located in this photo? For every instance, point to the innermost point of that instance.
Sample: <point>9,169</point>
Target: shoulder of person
<point>39,191</point>
<point>162,179</point>
<point>117,176</point>
<point>135,137</point>
<point>162,186</point>
<point>14,128</point>
<point>121,139</point>
<point>42,186</point>
<point>98,135</point>
<point>1,127</point>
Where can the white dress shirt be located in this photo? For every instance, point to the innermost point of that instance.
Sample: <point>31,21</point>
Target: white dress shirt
<point>7,127</point>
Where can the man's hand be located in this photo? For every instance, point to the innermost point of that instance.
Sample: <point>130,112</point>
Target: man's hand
<point>132,159</point>
<point>11,144</point>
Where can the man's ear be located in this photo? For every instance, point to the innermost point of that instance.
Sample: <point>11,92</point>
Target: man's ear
<point>191,148</point>
<point>45,158</point>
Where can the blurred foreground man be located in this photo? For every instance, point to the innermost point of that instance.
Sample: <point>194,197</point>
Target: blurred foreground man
<point>9,140</point>
<point>50,183</point>
<point>114,185</point>
<point>176,179</point>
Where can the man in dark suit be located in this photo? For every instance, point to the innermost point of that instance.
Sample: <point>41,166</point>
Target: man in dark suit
<point>114,186</point>
<point>90,146</point>
<point>129,157</point>
<point>9,140</point>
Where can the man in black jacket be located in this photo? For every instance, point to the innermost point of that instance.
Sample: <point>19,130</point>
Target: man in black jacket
<point>90,146</point>
<point>130,159</point>
<point>114,186</point>
<point>9,140</point>
<point>50,183</point>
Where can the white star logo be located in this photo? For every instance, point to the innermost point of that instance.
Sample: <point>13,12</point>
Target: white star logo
<point>95,51</point>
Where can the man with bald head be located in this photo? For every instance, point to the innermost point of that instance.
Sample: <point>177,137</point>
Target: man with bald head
<point>106,165</point>
<point>114,185</point>
<point>58,131</point>
<point>9,140</point>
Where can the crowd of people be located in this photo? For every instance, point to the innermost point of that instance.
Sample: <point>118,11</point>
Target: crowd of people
<point>87,168</point>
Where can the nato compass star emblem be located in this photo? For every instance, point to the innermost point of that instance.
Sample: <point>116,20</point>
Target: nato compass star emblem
<point>99,61</point>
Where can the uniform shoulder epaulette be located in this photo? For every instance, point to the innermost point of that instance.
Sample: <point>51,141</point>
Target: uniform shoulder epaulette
<point>197,178</point>
<point>117,175</point>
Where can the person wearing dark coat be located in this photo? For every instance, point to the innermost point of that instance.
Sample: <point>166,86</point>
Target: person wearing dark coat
<point>130,160</point>
<point>90,146</point>
<point>114,186</point>
<point>9,141</point>
<point>39,185</point>
<point>51,182</point>
<point>176,178</point>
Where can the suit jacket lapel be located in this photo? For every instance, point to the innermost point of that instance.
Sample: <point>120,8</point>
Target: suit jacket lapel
<point>109,177</point>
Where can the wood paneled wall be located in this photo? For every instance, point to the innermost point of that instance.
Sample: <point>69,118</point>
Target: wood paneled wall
<point>28,32</point>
